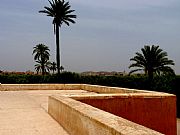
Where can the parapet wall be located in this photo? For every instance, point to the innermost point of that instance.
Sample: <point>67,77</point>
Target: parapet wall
<point>93,88</point>
<point>157,112</point>
<point>19,87</point>
<point>105,89</point>
<point>82,119</point>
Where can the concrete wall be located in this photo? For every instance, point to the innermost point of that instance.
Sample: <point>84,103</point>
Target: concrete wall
<point>15,87</point>
<point>93,88</point>
<point>81,119</point>
<point>157,112</point>
<point>105,89</point>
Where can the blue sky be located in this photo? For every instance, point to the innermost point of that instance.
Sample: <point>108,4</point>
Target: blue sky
<point>106,34</point>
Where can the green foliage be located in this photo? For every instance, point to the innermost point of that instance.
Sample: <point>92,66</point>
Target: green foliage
<point>138,82</point>
<point>164,83</point>
<point>176,91</point>
<point>160,83</point>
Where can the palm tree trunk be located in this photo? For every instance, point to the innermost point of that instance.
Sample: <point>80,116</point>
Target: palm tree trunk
<point>150,74</point>
<point>57,49</point>
<point>150,78</point>
<point>43,71</point>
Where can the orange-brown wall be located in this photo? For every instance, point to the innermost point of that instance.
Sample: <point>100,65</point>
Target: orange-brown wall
<point>157,113</point>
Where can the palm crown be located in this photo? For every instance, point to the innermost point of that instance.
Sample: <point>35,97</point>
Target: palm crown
<point>42,67</point>
<point>60,11</point>
<point>53,66</point>
<point>152,60</point>
<point>41,52</point>
<point>41,56</point>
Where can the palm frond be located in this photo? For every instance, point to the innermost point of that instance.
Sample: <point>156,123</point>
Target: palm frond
<point>152,59</point>
<point>135,70</point>
<point>60,10</point>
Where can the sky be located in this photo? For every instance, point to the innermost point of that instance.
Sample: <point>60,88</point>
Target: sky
<point>106,34</point>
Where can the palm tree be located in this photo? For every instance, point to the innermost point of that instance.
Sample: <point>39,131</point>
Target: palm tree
<point>61,68</point>
<point>61,13</point>
<point>152,60</point>
<point>39,67</point>
<point>41,56</point>
<point>53,67</point>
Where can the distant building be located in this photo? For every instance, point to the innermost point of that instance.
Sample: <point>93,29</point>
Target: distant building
<point>103,73</point>
<point>17,73</point>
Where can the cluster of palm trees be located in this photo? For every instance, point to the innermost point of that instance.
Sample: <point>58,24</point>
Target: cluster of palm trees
<point>60,11</point>
<point>41,57</point>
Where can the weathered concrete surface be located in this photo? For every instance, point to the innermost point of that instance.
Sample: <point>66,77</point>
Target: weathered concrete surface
<point>93,88</point>
<point>156,111</point>
<point>25,113</point>
<point>41,96</point>
<point>81,119</point>
<point>110,90</point>
<point>19,87</point>
<point>178,126</point>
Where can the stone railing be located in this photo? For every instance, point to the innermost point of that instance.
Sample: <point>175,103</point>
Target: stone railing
<point>82,119</point>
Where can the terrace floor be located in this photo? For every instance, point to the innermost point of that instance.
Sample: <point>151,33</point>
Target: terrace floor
<point>25,112</point>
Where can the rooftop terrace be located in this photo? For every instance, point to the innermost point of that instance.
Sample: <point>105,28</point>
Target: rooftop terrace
<point>25,112</point>
<point>80,109</point>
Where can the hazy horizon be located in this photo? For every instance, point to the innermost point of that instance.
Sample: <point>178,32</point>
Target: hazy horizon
<point>106,34</point>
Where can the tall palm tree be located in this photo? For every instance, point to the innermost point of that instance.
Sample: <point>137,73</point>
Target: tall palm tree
<point>61,13</point>
<point>152,60</point>
<point>41,56</point>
